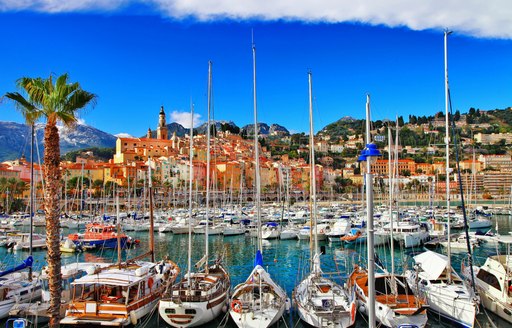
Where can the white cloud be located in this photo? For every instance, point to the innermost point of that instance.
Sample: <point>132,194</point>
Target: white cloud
<point>123,135</point>
<point>473,17</point>
<point>80,121</point>
<point>183,118</point>
<point>58,6</point>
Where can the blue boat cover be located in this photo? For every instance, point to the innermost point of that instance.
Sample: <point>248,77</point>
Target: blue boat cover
<point>26,263</point>
<point>259,258</point>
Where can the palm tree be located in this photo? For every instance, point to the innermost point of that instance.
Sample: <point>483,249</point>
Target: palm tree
<point>54,102</point>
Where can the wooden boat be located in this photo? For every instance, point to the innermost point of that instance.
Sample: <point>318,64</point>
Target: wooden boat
<point>119,295</point>
<point>123,293</point>
<point>396,304</point>
<point>201,295</point>
<point>197,299</point>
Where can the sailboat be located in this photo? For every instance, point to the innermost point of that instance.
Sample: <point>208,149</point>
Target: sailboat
<point>17,286</point>
<point>200,296</point>
<point>385,296</point>
<point>123,293</point>
<point>258,301</point>
<point>434,277</point>
<point>320,301</point>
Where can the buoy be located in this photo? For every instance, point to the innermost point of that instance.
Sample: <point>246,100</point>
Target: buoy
<point>236,305</point>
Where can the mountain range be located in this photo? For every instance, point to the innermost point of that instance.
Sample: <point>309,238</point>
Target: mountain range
<point>15,137</point>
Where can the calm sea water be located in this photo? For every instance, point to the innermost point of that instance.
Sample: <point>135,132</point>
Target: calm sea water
<point>286,260</point>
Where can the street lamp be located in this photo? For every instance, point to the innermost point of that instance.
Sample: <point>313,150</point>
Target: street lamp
<point>369,155</point>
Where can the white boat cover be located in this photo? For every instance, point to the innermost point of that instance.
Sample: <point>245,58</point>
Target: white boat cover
<point>506,239</point>
<point>433,264</point>
<point>109,278</point>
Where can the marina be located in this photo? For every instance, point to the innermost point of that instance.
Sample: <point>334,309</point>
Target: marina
<point>207,224</point>
<point>285,260</point>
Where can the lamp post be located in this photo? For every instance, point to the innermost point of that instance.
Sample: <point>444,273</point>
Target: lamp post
<point>369,155</point>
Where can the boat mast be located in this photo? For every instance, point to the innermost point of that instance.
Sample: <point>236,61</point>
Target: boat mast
<point>256,149</point>
<point>81,191</point>
<point>128,190</point>
<point>31,196</point>
<point>391,178</point>
<point>369,219</point>
<point>118,220</point>
<point>208,159</point>
<point>151,224</point>
<point>190,189</point>
<point>447,141</point>
<point>312,174</point>
<point>66,192</point>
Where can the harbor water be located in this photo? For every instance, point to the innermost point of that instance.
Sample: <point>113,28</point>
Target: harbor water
<point>286,260</point>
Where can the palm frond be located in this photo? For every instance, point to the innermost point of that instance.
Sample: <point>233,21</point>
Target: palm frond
<point>29,111</point>
<point>57,101</point>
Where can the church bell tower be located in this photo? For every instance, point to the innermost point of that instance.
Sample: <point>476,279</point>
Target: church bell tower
<point>161,130</point>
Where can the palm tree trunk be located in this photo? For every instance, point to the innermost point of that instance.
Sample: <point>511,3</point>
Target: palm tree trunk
<point>52,176</point>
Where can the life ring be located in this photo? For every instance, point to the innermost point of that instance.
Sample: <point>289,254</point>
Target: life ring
<point>321,230</point>
<point>150,282</point>
<point>236,305</point>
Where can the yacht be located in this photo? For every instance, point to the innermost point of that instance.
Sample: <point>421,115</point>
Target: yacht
<point>493,281</point>
<point>119,295</point>
<point>444,290</point>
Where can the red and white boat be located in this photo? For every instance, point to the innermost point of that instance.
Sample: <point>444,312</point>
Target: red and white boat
<point>100,235</point>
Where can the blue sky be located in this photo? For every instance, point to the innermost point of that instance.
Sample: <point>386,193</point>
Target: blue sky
<point>137,57</point>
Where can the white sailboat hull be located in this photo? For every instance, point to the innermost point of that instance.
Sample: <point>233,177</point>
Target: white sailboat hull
<point>450,300</point>
<point>288,234</point>
<point>179,230</point>
<point>327,306</point>
<point>233,231</point>
<point>443,301</point>
<point>387,317</point>
<point>5,307</point>
<point>413,239</point>
<point>196,301</point>
<point>480,223</point>
<point>258,319</point>
<point>258,302</point>
<point>191,314</point>
<point>270,234</point>
<point>18,289</point>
